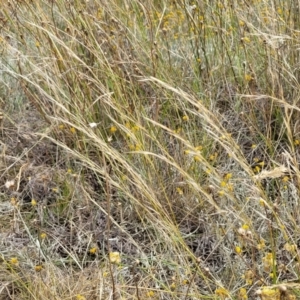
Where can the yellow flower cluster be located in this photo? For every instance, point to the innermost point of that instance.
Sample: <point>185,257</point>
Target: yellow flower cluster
<point>269,294</point>
<point>243,294</point>
<point>14,261</point>
<point>268,261</point>
<point>225,184</point>
<point>115,258</point>
<point>93,250</point>
<point>222,293</point>
<point>179,191</point>
<point>248,276</point>
<point>113,129</point>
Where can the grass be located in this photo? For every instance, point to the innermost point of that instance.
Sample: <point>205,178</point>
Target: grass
<point>149,150</point>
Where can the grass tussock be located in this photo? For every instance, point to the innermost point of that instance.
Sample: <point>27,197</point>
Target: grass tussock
<point>149,149</point>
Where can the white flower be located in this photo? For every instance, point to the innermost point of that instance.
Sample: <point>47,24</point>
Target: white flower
<point>9,184</point>
<point>93,125</point>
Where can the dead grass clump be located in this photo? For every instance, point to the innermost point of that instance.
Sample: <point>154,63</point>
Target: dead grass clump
<point>149,150</point>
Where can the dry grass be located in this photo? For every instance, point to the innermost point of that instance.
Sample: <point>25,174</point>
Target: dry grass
<point>149,149</point>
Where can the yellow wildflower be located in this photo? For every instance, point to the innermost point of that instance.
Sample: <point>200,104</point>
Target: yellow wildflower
<point>197,158</point>
<point>256,169</point>
<point>238,250</point>
<point>73,130</point>
<point>113,129</point>
<point>268,261</point>
<point>246,39</point>
<point>221,193</point>
<point>245,226</point>
<point>43,235</point>
<point>227,176</point>
<point>222,292</point>
<point>105,274</point>
<point>135,128</point>
<point>93,250</point>
<point>132,147</point>
<point>261,245</point>
<point>249,275</point>
<point>38,268</point>
<point>230,187</point>
<point>243,294</point>
<point>248,77</point>
<point>208,171</point>
<point>14,261</point>
<point>150,294</point>
<point>211,157</point>
<point>262,202</point>
<point>285,179</point>
<point>14,202</point>
<point>223,184</point>
<point>185,118</point>
<point>115,257</point>
<point>179,191</point>
<point>138,147</point>
<point>270,294</point>
<point>33,202</point>
<point>290,248</point>
<point>173,286</point>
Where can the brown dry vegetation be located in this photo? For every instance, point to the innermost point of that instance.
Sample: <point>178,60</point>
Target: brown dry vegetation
<point>149,149</point>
